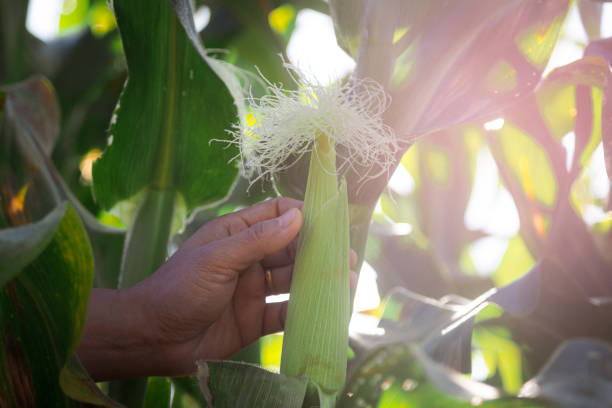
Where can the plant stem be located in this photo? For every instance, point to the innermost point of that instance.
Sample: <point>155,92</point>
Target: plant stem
<point>146,244</point>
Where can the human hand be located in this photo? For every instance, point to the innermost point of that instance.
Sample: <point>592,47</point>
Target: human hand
<point>206,302</point>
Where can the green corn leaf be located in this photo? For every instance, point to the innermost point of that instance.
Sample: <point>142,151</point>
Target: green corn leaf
<point>316,331</point>
<point>21,245</point>
<point>30,128</point>
<point>158,392</point>
<point>229,384</point>
<point>577,375</point>
<point>42,313</point>
<point>160,134</point>
<point>78,385</point>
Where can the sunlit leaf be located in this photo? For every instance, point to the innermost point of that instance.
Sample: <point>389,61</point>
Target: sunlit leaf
<point>271,348</point>
<point>603,48</point>
<point>102,19</point>
<point>437,163</point>
<point>482,69</point>
<point>536,41</point>
<point>158,393</point>
<point>176,121</point>
<point>74,14</point>
<point>507,354</point>
<point>517,261</point>
<point>558,108</point>
<point>529,164</point>
<point>532,157</point>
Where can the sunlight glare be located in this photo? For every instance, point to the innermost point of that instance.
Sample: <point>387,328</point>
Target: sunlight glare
<point>487,253</point>
<point>401,181</point>
<point>314,50</point>
<point>491,208</point>
<point>495,124</point>
<point>43,18</point>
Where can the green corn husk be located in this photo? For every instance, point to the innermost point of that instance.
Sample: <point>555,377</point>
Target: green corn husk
<point>316,330</point>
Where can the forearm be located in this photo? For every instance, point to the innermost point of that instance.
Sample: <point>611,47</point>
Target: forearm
<point>117,340</point>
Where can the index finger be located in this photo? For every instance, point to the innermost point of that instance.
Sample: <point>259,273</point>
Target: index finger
<point>236,222</point>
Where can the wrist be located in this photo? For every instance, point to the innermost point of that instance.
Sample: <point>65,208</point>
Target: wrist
<point>117,339</point>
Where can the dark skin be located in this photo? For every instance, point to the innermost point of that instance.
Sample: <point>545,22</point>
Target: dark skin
<point>207,301</point>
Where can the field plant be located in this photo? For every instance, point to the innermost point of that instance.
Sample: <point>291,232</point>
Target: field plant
<point>136,126</point>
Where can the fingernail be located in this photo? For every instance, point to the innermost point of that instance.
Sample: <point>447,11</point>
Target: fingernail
<point>287,218</point>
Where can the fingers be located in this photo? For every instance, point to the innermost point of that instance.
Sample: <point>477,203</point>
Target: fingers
<point>238,252</point>
<point>285,256</point>
<point>266,210</point>
<point>274,317</point>
<point>239,221</point>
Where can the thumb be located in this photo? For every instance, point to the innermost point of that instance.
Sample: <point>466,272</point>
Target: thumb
<point>261,239</point>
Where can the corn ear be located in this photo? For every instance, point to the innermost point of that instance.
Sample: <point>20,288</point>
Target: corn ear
<point>316,330</point>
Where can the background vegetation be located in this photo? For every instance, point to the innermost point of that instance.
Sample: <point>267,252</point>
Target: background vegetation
<point>471,97</point>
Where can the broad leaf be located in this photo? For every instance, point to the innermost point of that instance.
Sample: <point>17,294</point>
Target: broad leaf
<point>578,375</point>
<point>348,16</point>
<point>603,48</point>
<point>481,62</point>
<point>590,14</point>
<point>482,59</point>
<point>231,384</point>
<point>187,393</point>
<point>42,313</point>
<point>533,165</point>
<point>442,168</point>
<point>160,134</point>
<point>158,393</point>
<point>30,128</point>
<point>496,55</point>
<point>401,375</point>
<point>21,245</point>
<point>78,385</point>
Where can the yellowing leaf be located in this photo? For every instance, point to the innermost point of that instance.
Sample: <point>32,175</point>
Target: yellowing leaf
<point>537,42</point>
<point>438,165</point>
<point>595,139</point>
<point>515,263</point>
<point>558,108</point>
<point>501,77</point>
<point>529,164</point>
